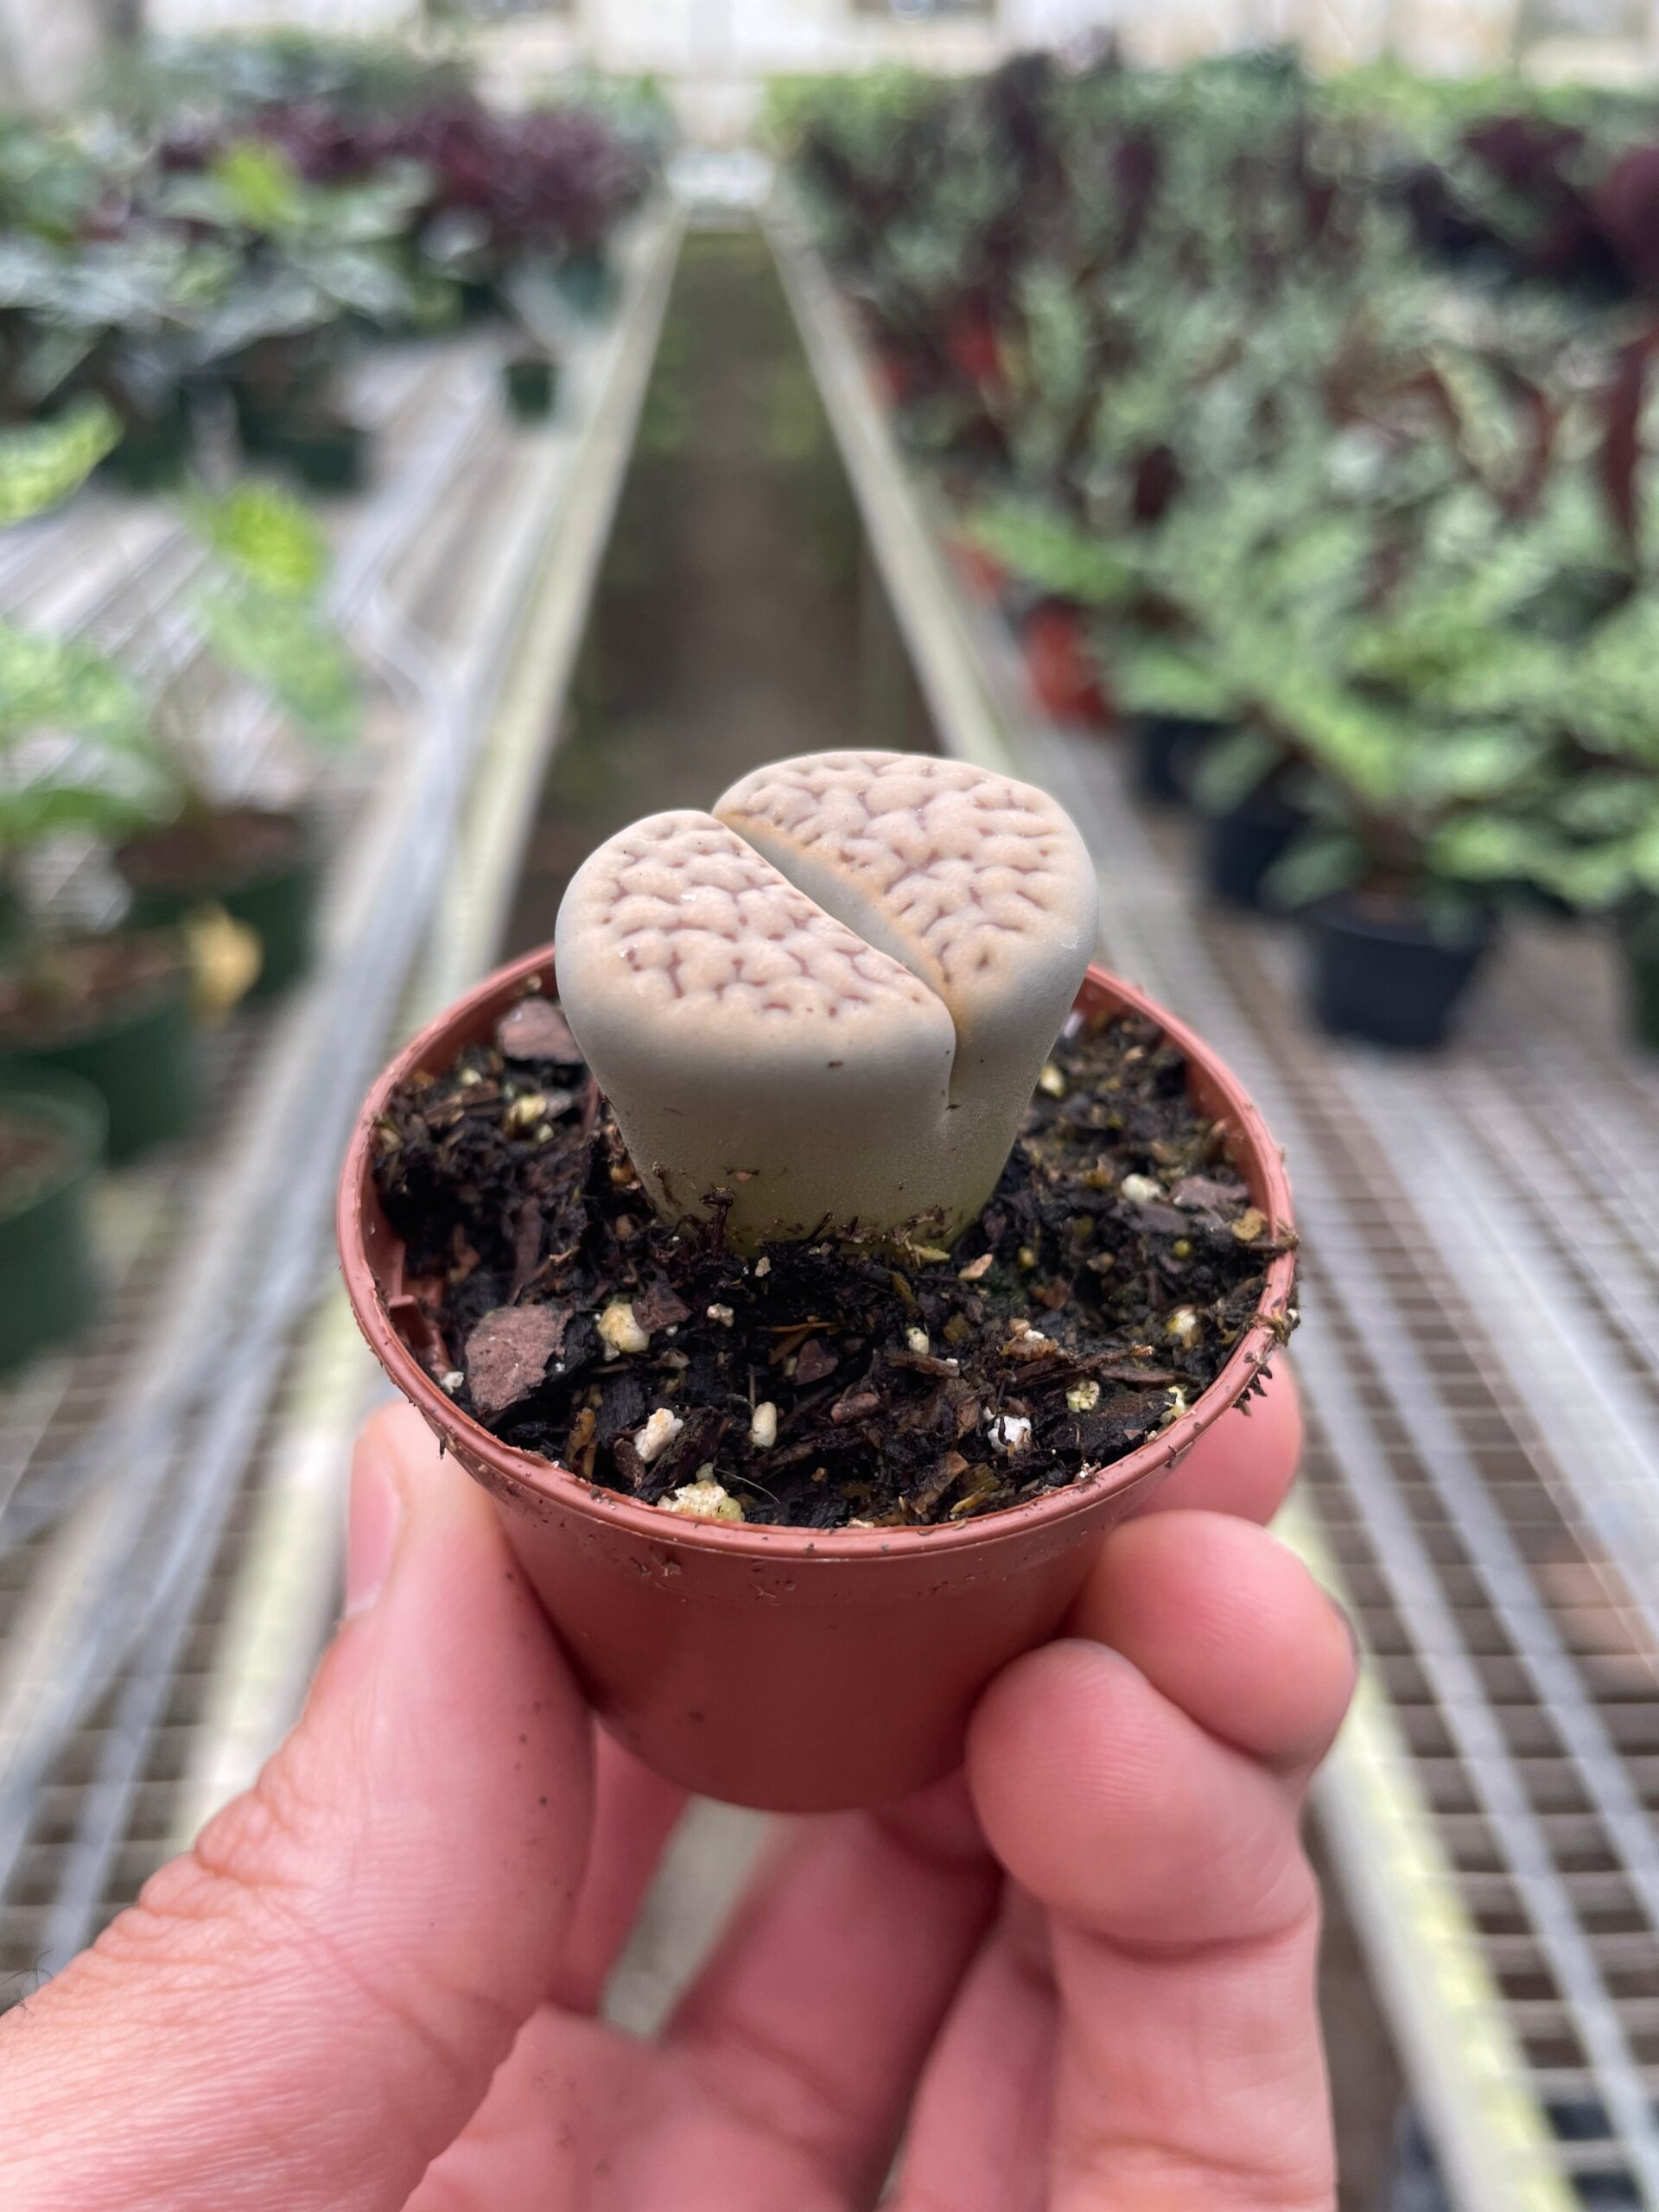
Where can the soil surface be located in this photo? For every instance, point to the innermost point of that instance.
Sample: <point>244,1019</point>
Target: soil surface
<point>840,1382</point>
<point>32,1155</point>
<point>73,985</point>
<point>211,852</point>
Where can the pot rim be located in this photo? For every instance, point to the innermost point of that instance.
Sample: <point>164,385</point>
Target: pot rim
<point>298,859</point>
<point>73,1108</point>
<point>168,991</point>
<point>1341,915</point>
<point>1263,1336</point>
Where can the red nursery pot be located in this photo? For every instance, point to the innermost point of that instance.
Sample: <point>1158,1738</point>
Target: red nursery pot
<point>973,348</point>
<point>1064,681</point>
<point>895,375</point>
<point>981,574</point>
<point>782,1667</point>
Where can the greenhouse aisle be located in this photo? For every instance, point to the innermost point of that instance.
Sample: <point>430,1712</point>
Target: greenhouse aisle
<point>737,617</point>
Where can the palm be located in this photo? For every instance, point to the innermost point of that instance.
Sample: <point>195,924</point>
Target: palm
<point>784,2077</point>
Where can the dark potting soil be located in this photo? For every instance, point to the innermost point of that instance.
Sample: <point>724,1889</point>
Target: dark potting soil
<point>212,851</point>
<point>1100,1292</point>
<point>72,985</point>
<point>31,1158</point>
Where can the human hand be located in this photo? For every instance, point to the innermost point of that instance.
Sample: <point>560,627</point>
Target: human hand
<point>1081,1976</point>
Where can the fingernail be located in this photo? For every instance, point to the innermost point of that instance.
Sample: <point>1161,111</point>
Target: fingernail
<point>376,1513</point>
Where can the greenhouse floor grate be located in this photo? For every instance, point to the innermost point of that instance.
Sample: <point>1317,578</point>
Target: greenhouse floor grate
<point>1480,1357</point>
<point>170,1510</point>
<point>1501,1573</point>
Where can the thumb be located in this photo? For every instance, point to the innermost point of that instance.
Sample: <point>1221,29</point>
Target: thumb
<point>300,2013</point>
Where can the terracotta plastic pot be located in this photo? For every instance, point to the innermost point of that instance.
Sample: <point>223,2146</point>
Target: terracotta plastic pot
<point>780,1666</point>
<point>973,349</point>
<point>895,375</point>
<point>1064,675</point>
<point>983,575</point>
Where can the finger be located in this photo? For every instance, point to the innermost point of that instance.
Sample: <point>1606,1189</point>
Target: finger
<point>553,2126</point>
<point>979,2133</point>
<point>813,2018</point>
<point>1185,1938</point>
<point>1231,1625</point>
<point>297,2014</point>
<point>1246,1462</point>
<point>635,1813</point>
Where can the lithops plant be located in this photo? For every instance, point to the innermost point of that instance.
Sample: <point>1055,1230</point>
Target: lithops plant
<point>825,1003</point>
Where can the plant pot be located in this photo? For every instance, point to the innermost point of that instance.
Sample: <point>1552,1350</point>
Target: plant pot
<point>264,876</point>
<point>896,376</point>
<point>1638,940</point>
<point>1241,848</point>
<point>477,297</point>
<point>139,1054</point>
<point>586,284</point>
<point>1532,901</point>
<point>983,575</point>
<point>531,385</point>
<point>973,350</point>
<point>1166,750</point>
<point>257,420</point>
<point>327,456</point>
<point>774,1666</point>
<point>154,451</point>
<point>279,384</point>
<point>1387,975</point>
<point>49,1283</point>
<point>1064,675</point>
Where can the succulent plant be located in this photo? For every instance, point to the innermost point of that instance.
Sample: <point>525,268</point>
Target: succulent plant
<point>824,1004</point>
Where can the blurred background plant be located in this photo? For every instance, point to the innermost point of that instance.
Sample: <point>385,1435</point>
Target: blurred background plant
<point>1305,426</point>
<point>234,215</point>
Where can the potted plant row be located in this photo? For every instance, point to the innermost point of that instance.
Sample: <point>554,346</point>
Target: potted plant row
<point>218,888</point>
<point>237,258</point>
<point>1355,561</point>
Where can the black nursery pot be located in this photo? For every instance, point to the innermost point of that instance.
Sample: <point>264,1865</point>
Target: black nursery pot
<point>1166,752</point>
<point>588,282</point>
<point>1639,941</point>
<point>532,385</point>
<point>1242,846</point>
<point>153,454</point>
<point>331,457</point>
<point>273,890</point>
<point>138,1053</point>
<point>1386,975</point>
<point>48,1285</point>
